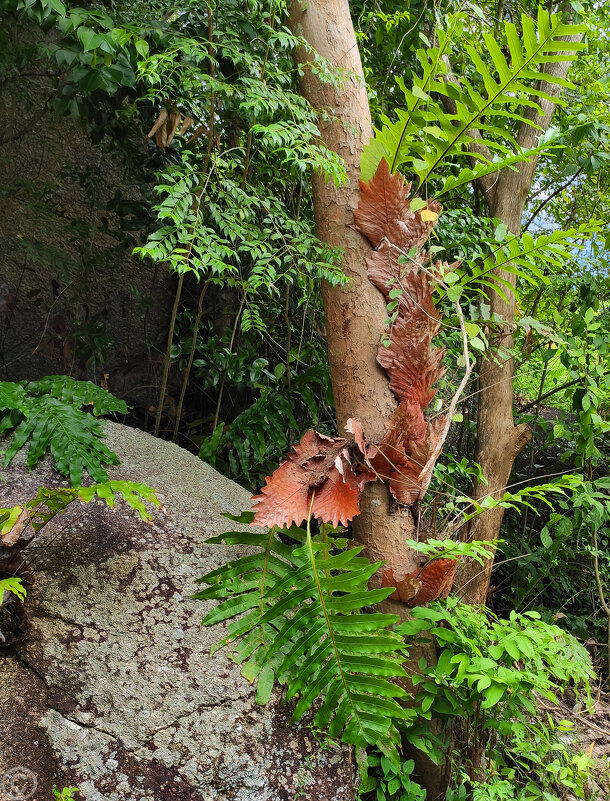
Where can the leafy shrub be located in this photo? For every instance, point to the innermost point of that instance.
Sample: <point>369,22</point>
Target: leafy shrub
<point>303,618</point>
<point>491,675</point>
<point>49,415</point>
<point>384,782</point>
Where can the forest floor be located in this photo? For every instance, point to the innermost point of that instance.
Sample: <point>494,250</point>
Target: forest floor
<point>591,734</point>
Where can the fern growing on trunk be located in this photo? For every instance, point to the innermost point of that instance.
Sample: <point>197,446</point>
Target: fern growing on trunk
<point>300,619</point>
<point>437,122</point>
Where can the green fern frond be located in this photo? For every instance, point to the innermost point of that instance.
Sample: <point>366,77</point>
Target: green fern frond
<point>77,393</point>
<point>479,550</point>
<point>527,257</point>
<point>14,585</point>
<point>301,623</point>
<point>13,396</point>
<point>426,135</point>
<point>72,436</point>
<point>50,502</point>
<point>47,414</point>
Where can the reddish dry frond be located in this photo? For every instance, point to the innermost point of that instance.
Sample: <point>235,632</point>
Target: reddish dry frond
<point>336,500</point>
<point>384,211</point>
<point>412,364</point>
<point>407,586</point>
<point>383,201</point>
<point>327,474</point>
<point>318,466</point>
<point>434,579</point>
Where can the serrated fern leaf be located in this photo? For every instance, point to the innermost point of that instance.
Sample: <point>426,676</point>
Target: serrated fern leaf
<point>133,493</point>
<point>72,436</point>
<point>13,396</point>
<point>426,134</point>
<point>77,393</point>
<point>47,414</point>
<point>302,624</point>
<point>48,503</point>
<point>527,257</point>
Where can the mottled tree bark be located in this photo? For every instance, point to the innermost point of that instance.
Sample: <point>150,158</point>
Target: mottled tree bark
<point>355,313</point>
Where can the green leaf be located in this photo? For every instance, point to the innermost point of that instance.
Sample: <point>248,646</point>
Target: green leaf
<point>77,393</point>
<point>492,695</point>
<point>58,7</point>
<point>264,685</point>
<point>72,436</point>
<point>426,136</point>
<point>454,293</point>
<point>88,38</point>
<point>313,634</point>
<point>13,585</point>
<point>500,232</point>
<point>417,203</point>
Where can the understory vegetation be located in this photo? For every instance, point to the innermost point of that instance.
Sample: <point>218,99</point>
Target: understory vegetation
<point>202,108</point>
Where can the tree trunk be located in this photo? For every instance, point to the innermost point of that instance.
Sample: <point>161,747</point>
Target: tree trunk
<point>499,441</point>
<point>355,313</point>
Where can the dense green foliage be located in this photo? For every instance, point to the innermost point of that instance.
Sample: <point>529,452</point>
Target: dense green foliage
<point>488,674</point>
<point>48,414</point>
<point>301,608</point>
<point>227,209</point>
<point>232,208</point>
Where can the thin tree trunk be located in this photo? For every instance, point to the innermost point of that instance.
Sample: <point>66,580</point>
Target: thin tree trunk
<point>354,313</point>
<point>499,441</point>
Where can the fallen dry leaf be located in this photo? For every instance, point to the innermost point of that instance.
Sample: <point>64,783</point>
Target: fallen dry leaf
<point>12,537</point>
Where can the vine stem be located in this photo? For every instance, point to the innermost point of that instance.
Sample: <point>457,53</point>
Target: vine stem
<point>224,378</point>
<point>187,371</point>
<point>172,324</point>
<point>600,591</point>
<point>469,366</point>
<point>168,353</point>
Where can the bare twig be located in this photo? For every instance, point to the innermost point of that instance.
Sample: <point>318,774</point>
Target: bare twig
<point>469,366</point>
<point>187,371</point>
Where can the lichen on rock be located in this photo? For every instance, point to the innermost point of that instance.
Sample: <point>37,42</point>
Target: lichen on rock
<point>129,704</point>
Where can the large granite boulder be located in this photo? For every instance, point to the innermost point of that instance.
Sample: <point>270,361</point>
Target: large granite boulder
<point>113,689</point>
